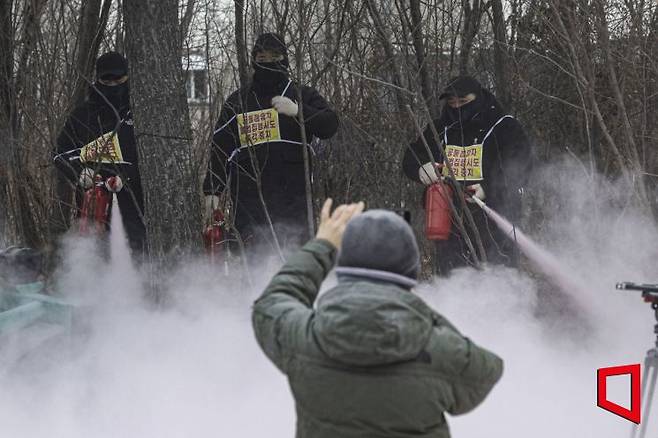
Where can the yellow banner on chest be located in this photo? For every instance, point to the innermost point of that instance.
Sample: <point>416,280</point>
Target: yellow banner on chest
<point>466,162</point>
<point>105,149</point>
<point>258,127</point>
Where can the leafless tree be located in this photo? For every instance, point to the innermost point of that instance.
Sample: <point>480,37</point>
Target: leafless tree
<point>162,126</point>
<point>582,76</point>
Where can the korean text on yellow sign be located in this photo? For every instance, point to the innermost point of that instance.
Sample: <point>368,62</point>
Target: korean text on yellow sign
<point>466,162</point>
<point>105,149</point>
<point>258,127</point>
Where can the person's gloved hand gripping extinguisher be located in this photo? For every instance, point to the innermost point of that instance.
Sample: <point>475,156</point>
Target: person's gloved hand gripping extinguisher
<point>438,219</point>
<point>97,199</point>
<point>474,191</point>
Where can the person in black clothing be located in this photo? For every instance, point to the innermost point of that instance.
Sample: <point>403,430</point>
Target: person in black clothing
<point>490,156</point>
<point>98,138</point>
<point>258,142</point>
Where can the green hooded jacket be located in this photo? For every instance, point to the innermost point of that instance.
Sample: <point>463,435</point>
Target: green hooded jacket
<point>372,359</point>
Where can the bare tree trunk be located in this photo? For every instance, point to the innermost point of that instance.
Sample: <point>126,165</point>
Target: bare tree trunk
<point>330,52</point>
<point>631,147</point>
<point>419,48</point>
<point>310,217</point>
<point>119,36</point>
<point>90,34</point>
<point>186,21</point>
<point>472,15</point>
<point>6,110</point>
<point>162,126</point>
<point>501,55</point>
<point>389,52</point>
<point>19,212</point>
<point>240,43</point>
<point>624,155</point>
<point>282,15</point>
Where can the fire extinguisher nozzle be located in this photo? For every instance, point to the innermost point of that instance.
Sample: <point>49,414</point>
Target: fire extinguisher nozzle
<point>479,202</point>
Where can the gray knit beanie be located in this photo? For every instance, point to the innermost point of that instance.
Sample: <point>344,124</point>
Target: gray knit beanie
<point>380,240</point>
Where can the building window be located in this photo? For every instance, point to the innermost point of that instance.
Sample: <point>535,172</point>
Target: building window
<point>201,84</point>
<point>196,77</point>
<point>196,84</point>
<point>189,85</point>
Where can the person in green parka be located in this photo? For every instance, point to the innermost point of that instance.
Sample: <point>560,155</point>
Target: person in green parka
<point>371,359</point>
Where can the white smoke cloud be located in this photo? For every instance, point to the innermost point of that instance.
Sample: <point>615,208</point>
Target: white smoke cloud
<point>553,341</point>
<point>194,368</point>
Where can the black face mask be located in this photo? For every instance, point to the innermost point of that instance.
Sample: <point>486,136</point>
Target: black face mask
<point>270,73</point>
<point>117,95</point>
<point>465,112</point>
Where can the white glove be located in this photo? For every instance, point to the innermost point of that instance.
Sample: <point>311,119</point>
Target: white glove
<point>427,174</point>
<point>475,191</point>
<point>86,178</point>
<point>211,203</point>
<point>285,106</point>
<point>114,184</point>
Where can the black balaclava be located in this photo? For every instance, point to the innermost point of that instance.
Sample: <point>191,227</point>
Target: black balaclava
<point>117,95</point>
<point>113,65</point>
<point>269,75</point>
<point>460,86</point>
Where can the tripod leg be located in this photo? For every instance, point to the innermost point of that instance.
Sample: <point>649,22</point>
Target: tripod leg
<point>646,409</point>
<point>645,381</point>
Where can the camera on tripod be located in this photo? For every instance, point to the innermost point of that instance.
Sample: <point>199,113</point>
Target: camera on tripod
<point>649,291</point>
<point>650,295</point>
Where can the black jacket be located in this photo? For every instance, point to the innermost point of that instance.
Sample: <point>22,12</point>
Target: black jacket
<point>280,163</point>
<point>90,121</point>
<point>96,118</point>
<point>505,154</point>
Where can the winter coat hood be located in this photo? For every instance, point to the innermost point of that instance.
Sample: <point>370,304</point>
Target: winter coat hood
<point>485,108</point>
<point>270,41</point>
<point>271,75</point>
<point>366,323</point>
<point>380,240</point>
<point>111,65</point>
<point>370,359</point>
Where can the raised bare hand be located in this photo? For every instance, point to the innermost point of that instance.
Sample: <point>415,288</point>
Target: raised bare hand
<point>332,225</point>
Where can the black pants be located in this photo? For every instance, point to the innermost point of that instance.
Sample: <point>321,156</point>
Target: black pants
<point>132,211</point>
<point>454,252</point>
<point>131,206</point>
<point>289,220</point>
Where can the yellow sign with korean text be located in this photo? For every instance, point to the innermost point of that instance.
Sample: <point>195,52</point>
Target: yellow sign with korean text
<point>105,149</point>
<point>258,127</point>
<point>466,162</point>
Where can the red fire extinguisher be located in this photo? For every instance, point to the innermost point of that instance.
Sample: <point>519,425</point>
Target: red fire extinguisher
<point>438,219</point>
<point>95,207</point>
<point>213,235</point>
